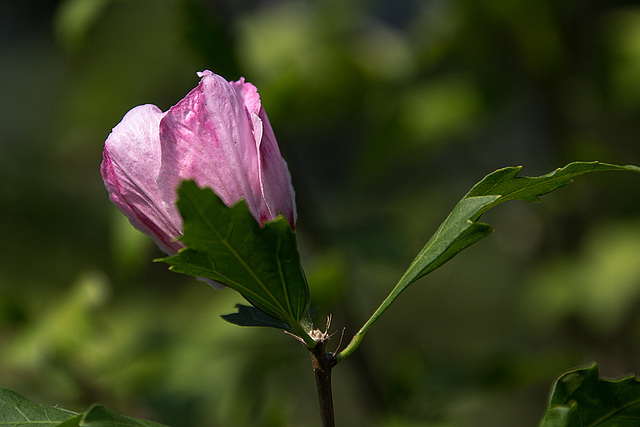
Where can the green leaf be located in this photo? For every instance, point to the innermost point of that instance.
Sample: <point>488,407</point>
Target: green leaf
<point>228,246</point>
<point>461,229</point>
<point>579,398</point>
<point>100,416</point>
<point>456,233</point>
<point>17,411</point>
<point>251,316</point>
<point>495,188</point>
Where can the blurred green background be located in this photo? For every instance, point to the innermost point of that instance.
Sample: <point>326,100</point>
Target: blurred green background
<point>387,113</point>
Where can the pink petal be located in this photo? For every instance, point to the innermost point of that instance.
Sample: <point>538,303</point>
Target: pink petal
<point>249,95</point>
<point>275,179</point>
<point>208,137</point>
<point>130,166</point>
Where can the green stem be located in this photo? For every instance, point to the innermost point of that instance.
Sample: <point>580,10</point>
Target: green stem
<point>357,338</point>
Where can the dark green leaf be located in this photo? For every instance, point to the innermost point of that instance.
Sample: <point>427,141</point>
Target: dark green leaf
<point>580,398</point>
<point>17,411</point>
<point>251,316</point>
<point>509,186</point>
<point>100,416</point>
<point>455,234</point>
<point>228,246</point>
<point>461,228</point>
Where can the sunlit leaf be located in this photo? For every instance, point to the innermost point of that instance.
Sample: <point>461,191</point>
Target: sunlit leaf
<point>580,398</point>
<point>461,229</point>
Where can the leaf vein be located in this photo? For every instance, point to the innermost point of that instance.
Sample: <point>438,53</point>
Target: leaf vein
<point>233,252</point>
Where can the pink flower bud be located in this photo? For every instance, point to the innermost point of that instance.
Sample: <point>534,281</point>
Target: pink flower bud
<point>218,135</point>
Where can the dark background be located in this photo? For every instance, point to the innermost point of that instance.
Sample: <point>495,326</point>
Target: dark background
<point>387,113</point>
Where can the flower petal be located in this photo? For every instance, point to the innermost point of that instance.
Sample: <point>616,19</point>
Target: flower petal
<point>130,166</point>
<point>275,180</point>
<point>208,137</point>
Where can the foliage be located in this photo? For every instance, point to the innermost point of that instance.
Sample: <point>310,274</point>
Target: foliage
<point>581,398</point>
<point>251,316</point>
<point>461,229</point>
<point>385,112</point>
<point>16,411</point>
<point>228,246</point>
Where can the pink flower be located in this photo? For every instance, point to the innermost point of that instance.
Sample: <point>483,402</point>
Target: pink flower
<point>218,135</point>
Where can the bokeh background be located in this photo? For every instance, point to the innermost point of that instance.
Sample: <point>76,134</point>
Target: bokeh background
<point>387,113</point>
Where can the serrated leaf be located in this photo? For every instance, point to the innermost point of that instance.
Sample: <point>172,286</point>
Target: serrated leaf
<point>251,316</point>
<point>456,233</point>
<point>509,186</point>
<point>497,187</point>
<point>15,410</point>
<point>228,246</point>
<point>580,398</point>
<point>18,411</point>
<point>461,229</point>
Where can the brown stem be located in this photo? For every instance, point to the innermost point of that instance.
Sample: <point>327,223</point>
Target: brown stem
<point>322,365</point>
